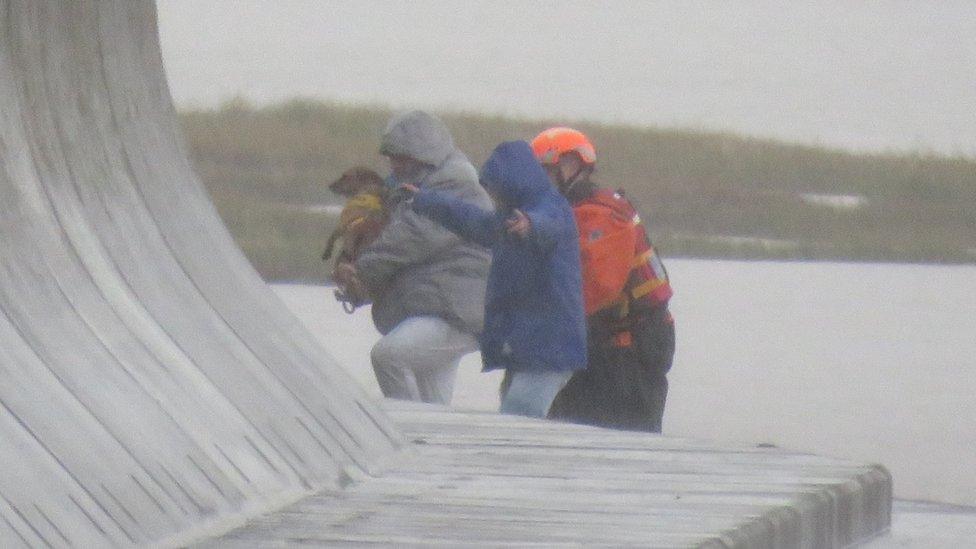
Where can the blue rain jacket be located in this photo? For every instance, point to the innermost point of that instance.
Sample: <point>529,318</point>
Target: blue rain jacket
<point>534,301</point>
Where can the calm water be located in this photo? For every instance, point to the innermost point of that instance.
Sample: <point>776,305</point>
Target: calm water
<point>866,361</point>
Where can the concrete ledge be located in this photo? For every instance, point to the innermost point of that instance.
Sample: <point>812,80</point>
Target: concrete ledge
<point>152,383</point>
<point>472,478</point>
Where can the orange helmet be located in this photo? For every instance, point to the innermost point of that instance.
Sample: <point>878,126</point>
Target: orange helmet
<point>551,144</point>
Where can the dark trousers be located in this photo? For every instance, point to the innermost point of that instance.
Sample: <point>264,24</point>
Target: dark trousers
<point>622,387</point>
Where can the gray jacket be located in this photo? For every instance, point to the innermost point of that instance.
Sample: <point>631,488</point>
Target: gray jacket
<point>417,267</point>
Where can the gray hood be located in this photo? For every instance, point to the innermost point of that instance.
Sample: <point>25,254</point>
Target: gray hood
<point>420,136</point>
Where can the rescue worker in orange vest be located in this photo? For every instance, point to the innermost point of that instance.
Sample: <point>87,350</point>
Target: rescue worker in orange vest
<point>626,290</point>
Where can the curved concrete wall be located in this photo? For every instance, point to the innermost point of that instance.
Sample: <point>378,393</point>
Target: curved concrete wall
<point>150,383</point>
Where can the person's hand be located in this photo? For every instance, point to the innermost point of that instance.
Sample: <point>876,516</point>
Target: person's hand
<point>344,273</point>
<point>347,279</point>
<point>404,193</point>
<point>519,224</point>
<point>355,291</point>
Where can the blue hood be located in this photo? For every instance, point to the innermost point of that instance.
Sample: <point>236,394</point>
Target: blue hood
<point>514,176</point>
<point>534,297</point>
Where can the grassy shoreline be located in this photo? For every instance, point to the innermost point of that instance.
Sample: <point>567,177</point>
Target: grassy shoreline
<point>708,195</point>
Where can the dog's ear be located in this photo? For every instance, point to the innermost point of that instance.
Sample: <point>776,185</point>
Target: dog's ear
<point>356,179</point>
<point>339,186</point>
<point>347,183</point>
<point>370,177</point>
<point>364,176</point>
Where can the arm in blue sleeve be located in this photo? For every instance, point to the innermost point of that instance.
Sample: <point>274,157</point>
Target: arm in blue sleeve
<point>546,228</point>
<point>462,218</point>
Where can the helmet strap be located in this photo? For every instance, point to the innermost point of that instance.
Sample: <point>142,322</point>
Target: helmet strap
<point>566,185</point>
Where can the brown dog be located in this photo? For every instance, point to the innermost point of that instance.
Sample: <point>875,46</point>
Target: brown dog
<point>361,221</point>
<point>362,217</point>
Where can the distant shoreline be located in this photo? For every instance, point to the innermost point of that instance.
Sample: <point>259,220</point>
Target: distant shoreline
<point>704,195</point>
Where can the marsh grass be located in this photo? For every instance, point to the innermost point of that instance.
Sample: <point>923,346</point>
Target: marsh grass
<point>704,194</point>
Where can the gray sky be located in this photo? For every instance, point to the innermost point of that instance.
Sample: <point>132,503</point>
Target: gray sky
<point>857,75</point>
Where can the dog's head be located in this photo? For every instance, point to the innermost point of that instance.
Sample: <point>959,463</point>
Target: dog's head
<point>356,180</point>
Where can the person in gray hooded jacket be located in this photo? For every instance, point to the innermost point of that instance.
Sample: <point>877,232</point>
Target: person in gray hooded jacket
<point>426,283</point>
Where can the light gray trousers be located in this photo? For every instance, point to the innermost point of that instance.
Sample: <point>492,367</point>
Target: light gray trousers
<point>418,359</point>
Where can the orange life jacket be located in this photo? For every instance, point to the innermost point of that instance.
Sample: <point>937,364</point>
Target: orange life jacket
<point>619,263</point>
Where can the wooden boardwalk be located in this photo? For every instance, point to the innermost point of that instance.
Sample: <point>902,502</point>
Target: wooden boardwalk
<point>482,479</point>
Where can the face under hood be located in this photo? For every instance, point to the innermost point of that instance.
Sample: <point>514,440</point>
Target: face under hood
<point>513,175</point>
<point>420,136</point>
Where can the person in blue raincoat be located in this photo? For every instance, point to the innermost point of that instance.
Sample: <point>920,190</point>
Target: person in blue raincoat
<point>534,322</point>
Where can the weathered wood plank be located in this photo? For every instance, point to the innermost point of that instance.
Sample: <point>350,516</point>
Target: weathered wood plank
<point>474,478</point>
